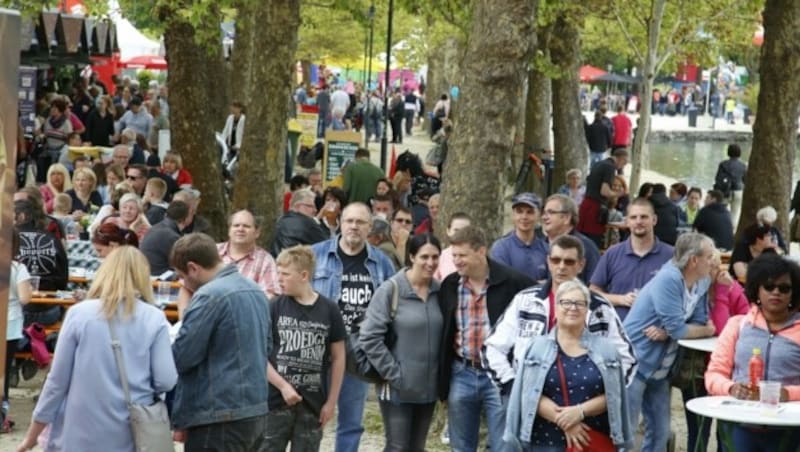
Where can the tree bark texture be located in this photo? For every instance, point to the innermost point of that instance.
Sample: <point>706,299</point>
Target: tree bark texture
<point>242,52</point>
<point>498,51</point>
<point>270,65</point>
<point>769,175</point>
<point>192,118</point>
<point>640,159</point>
<point>568,123</point>
<point>444,64</point>
<point>538,121</point>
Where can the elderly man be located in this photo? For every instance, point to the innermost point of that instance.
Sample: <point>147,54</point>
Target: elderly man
<point>532,313</point>
<point>672,306</point>
<point>298,226</point>
<point>380,236</point>
<point>516,249</point>
<point>473,299</point>
<point>627,266</point>
<point>559,217</point>
<point>121,155</point>
<point>191,197</point>
<point>349,270</point>
<point>253,262</point>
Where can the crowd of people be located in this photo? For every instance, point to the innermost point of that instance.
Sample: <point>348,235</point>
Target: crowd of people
<point>562,332</point>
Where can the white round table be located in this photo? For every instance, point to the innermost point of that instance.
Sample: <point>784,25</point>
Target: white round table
<point>706,344</point>
<point>729,409</point>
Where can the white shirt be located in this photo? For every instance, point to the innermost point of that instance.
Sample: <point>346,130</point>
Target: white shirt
<point>340,100</point>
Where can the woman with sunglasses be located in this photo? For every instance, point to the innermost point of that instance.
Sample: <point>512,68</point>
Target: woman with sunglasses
<point>570,385</point>
<point>773,326</point>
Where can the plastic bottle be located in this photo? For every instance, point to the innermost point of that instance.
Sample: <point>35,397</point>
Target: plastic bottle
<point>756,367</point>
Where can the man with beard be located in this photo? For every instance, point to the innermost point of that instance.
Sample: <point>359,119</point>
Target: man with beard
<point>627,266</point>
<point>349,270</point>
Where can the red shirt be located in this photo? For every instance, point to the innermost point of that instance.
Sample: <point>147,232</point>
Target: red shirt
<point>622,130</point>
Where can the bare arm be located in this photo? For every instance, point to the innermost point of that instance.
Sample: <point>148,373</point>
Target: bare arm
<point>290,396</point>
<point>740,269</point>
<point>615,299</point>
<point>337,375</point>
<point>694,331</point>
<point>24,291</point>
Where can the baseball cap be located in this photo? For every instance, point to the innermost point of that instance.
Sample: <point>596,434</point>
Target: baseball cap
<point>527,198</point>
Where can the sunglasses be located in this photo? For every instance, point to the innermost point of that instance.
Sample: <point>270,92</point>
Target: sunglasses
<point>403,220</point>
<point>558,260</point>
<point>130,177</point>
<point>782,288</point>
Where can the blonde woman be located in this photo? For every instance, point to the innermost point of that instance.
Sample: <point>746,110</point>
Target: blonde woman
<point>173,167</point>
<point>82,400</point>
<point>131,215</point>
<point>83,193</point>
<point>112,208</point>
<point>57,182</point>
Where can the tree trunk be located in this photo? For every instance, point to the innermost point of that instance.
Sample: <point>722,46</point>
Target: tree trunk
<point>192,120</point>
<point>445,60</point>
<point>242,52</point>
<point>769,175</point>
<point>641,154</point>
<point>260,180</point>
<point>568,124</point>
<point>498,51</point>
<point>538,111</point>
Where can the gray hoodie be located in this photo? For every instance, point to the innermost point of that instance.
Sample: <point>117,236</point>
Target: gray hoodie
<point>410,368</point>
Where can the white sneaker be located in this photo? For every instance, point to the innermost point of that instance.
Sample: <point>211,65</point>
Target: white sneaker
<point>445,436</point>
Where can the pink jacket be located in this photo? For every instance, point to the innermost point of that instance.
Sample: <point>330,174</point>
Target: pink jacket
<point>780,351</point>
<point>729,300</point>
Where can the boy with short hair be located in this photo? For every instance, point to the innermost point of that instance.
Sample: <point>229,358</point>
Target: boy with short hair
<point>62,212</point>
<point>300,401</point>
<point>154,193</point>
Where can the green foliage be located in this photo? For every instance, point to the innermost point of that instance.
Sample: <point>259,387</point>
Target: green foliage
<point>750,97</point>
<point>694,31</point>
<point>144,76</point>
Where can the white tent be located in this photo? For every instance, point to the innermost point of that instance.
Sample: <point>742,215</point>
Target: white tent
<point>132,42</point>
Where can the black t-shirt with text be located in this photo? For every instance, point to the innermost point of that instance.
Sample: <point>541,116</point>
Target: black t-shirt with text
<point>301,347</point>
<point>357,287</point>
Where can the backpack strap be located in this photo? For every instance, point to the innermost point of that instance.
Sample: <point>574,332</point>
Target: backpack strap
<point>395,299</point>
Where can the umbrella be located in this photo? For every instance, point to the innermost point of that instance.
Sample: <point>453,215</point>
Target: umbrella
<point>590,73</point>
<point>145,62</point>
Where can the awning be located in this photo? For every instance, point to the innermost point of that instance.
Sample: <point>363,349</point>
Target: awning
<point>145,62</point>
<point>589,73</point>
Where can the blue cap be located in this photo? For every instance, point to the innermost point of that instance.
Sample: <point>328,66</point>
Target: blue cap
<point>527,198</point>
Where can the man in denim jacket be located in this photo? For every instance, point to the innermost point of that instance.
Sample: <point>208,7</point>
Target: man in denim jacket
<point>220,352</point>
<point>349,270</point>
<point>672,306</point>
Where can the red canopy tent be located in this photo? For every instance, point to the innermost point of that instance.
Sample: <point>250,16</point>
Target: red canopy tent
<point>588,73</point>
<point>145,62</point>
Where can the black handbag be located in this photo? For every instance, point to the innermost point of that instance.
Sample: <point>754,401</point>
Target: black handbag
<point>357,363</point>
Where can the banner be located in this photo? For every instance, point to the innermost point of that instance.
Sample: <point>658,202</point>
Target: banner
<point>9,54</point>
<point>27,99</point>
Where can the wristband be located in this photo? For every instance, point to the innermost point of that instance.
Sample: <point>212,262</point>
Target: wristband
<point>583,415</point>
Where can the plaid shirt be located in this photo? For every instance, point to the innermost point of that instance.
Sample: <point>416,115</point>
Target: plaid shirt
<point>472,321</point>
<point>257,265</point>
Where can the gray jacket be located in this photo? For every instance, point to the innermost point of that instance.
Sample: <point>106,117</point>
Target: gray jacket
<point>410,368</point>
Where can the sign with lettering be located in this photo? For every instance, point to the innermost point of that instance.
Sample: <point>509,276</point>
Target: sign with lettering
<point>340,149</point>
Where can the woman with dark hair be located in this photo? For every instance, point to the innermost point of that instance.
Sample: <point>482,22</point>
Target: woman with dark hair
<point>409,394</point>
<point>56,130</point>
<point>755,240</point>
<point>109,236</point>
<point>100,123</point>
<point>772,325</point>
<point>335,200</point>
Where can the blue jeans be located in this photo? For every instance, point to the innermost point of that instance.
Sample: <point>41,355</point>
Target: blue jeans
<point>651,399</point>
<point>758,440</point>
<point>471,390</point>
<point>595,157</point>
<point>349,426</point>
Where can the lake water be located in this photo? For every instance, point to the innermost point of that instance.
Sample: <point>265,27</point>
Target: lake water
<point>695,163</point>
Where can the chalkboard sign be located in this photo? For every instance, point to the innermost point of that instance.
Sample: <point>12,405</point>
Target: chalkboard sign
<point>340,148</point>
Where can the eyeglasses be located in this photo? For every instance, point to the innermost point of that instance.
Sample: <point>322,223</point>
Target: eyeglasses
<point>403,220</point>
<point>572,304</point>
<point>554,212</point>
<point>558,260</point>
<point>782,288</point>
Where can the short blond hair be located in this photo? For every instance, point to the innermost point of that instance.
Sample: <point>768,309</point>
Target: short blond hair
<point>174,157</point>
<point>157,186</point>
<point>299,256</point>
<point>62,203</point>
<point>87,172</point>
<point>123,278</point>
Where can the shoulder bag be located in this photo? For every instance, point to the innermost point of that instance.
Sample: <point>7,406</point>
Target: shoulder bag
<point>149,423</point>
<point>598,441</point>
<point>357,363</point>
